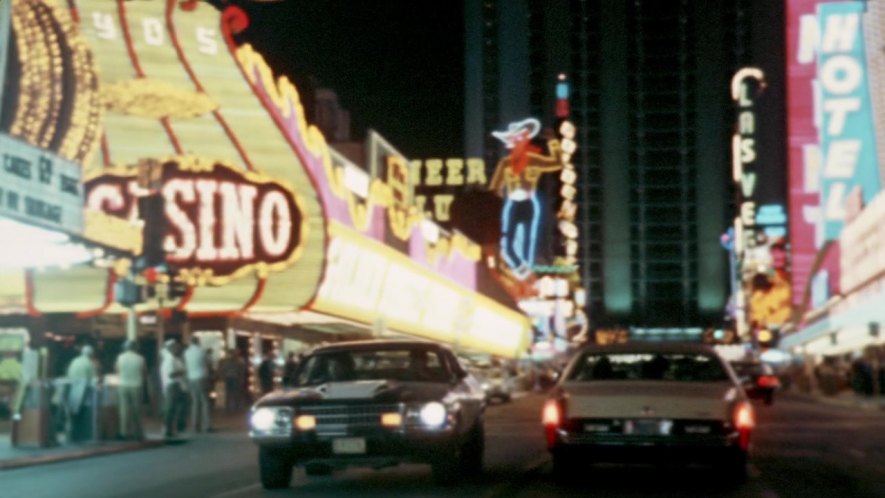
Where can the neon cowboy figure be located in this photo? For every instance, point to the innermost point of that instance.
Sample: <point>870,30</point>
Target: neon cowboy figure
<point>516,179</point>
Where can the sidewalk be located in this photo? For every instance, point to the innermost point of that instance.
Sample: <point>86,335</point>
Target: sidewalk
<point>846,399</point>
<point>13,458</point>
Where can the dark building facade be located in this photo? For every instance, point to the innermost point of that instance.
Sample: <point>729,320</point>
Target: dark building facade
<point>650,100</point>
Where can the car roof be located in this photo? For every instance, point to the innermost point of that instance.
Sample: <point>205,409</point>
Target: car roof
<point>376,345</point>
<point>650,347</point>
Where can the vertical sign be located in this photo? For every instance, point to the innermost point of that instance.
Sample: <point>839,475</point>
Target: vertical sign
<point>847,138</point>
<point>4,45</point>
<point>803,150</point>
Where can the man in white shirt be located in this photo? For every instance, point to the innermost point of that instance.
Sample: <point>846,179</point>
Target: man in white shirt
<point>131,369</point>
<point>197,365</point>
<point>172,374</point>
<point>82,376</point>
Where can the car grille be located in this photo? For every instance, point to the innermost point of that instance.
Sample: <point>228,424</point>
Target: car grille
<point>344,419</point>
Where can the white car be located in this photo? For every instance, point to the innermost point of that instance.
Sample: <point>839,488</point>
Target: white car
<point>648,402</point>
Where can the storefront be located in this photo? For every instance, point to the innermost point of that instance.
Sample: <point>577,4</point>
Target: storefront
<point>272,241</point>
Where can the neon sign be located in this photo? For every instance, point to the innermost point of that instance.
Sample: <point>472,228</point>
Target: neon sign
<point>516,178</point>
<point>222,222</point>
<point>846,131</point>
<point>438,180</point>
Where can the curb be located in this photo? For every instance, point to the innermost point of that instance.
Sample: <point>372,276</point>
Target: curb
<point>17,463</point>
<point>846,403</point>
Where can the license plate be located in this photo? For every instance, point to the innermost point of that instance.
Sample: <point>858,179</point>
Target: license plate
<point>648,427</point>
<point>349,445</point>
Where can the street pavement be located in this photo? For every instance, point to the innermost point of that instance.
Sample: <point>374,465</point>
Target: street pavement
<point>801,448</point>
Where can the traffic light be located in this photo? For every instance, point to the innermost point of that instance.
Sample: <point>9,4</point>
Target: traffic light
<point>128,293</point>
<point>176,289</point>
<point>767,338</point>
<point>151,210</point>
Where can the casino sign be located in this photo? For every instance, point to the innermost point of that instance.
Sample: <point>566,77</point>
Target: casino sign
<point>220,222</point>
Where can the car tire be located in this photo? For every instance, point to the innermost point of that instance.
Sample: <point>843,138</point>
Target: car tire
<point>473,450</point>
<point>316,470</point>
<point>733,467</point>
<point>275,468</point>
<point>563,468</point>
<point>461,459</point>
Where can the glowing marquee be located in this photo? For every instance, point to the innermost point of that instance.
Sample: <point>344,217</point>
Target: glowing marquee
<point>439,180</point>
<point>222,222</point>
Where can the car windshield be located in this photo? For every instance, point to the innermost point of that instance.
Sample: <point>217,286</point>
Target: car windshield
<point>690,367</point>
<point>744,369</point>
<point>418,365</point>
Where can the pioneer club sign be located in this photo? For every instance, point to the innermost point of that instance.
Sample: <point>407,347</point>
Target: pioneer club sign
<point>221,222</point>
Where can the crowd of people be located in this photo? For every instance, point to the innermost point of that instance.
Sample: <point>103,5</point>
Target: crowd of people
<point>861,372</point>
<point>187,380</point>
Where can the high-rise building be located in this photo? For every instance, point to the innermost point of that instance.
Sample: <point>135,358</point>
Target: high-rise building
<point>651,103</point>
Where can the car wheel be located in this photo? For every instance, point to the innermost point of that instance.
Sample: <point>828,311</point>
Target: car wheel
<point>473,450</point>
<point>275,469</point>
<point>733,467</point>
<point>315,469</point>
<point>563,468</point>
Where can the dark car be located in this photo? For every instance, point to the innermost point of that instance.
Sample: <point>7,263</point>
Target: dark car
<point>648,402</point>
<point>758,379</point>
<point>372,404</point>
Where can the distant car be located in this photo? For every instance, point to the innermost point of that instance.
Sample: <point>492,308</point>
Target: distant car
<point>375,404</point>
<point>496,383</point>
<point>648,402</point>
<point>758,379</point>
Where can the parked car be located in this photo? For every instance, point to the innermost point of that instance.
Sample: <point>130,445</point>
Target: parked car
<point>758,379</point>
<point>653,402</point>
<point>375,404</point>
<point>496,383</point>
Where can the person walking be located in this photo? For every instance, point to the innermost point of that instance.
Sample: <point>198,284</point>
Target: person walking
<point>265,373</point>
<point>289,370</point>
<point>82,376</point>
<point>130,367</point>
<point>197,366</point>
<point>172,373</point>
<point>233,368</point>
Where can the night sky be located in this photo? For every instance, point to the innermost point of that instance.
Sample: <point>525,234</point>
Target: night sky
<point>397,65</point>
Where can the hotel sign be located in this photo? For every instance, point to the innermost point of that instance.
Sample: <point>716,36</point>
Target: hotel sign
<point>39,188</point>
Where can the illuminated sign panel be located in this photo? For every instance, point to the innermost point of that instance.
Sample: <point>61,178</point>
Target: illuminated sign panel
<point>221,222</point>
<point>38,188</point>
<point>847,138</point>
<point>367,281</point>
<point>804,157</point>
<point>438,183</point>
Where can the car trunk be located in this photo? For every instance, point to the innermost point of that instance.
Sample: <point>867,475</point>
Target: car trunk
<point>655,399</point>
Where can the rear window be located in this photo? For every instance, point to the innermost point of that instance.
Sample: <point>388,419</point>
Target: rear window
<point>658,366</point>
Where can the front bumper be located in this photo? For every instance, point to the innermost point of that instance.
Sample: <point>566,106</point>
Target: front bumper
<point>383,447</point>
<point>721,442</point>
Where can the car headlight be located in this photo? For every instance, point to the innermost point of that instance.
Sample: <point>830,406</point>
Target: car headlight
<point>263,419</point>
<point>433,414</point>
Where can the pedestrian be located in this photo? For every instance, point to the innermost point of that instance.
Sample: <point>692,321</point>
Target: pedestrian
<point>82,376</point>
<point>131,368</point>
<point>289,370</point>
<point>172,374</point>
<point>233,368</point>
<point>265,373</point>
<point>197,365</point>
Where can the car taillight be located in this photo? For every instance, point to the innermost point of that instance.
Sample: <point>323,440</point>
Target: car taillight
<point>768,381</point>
<point>552,415</point>
<point>744,420</point>
<point>552,418</point>
<point>743,416</point>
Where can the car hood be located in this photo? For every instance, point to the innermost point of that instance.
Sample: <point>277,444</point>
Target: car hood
<point>378,391</point>
<point>659,399</point>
